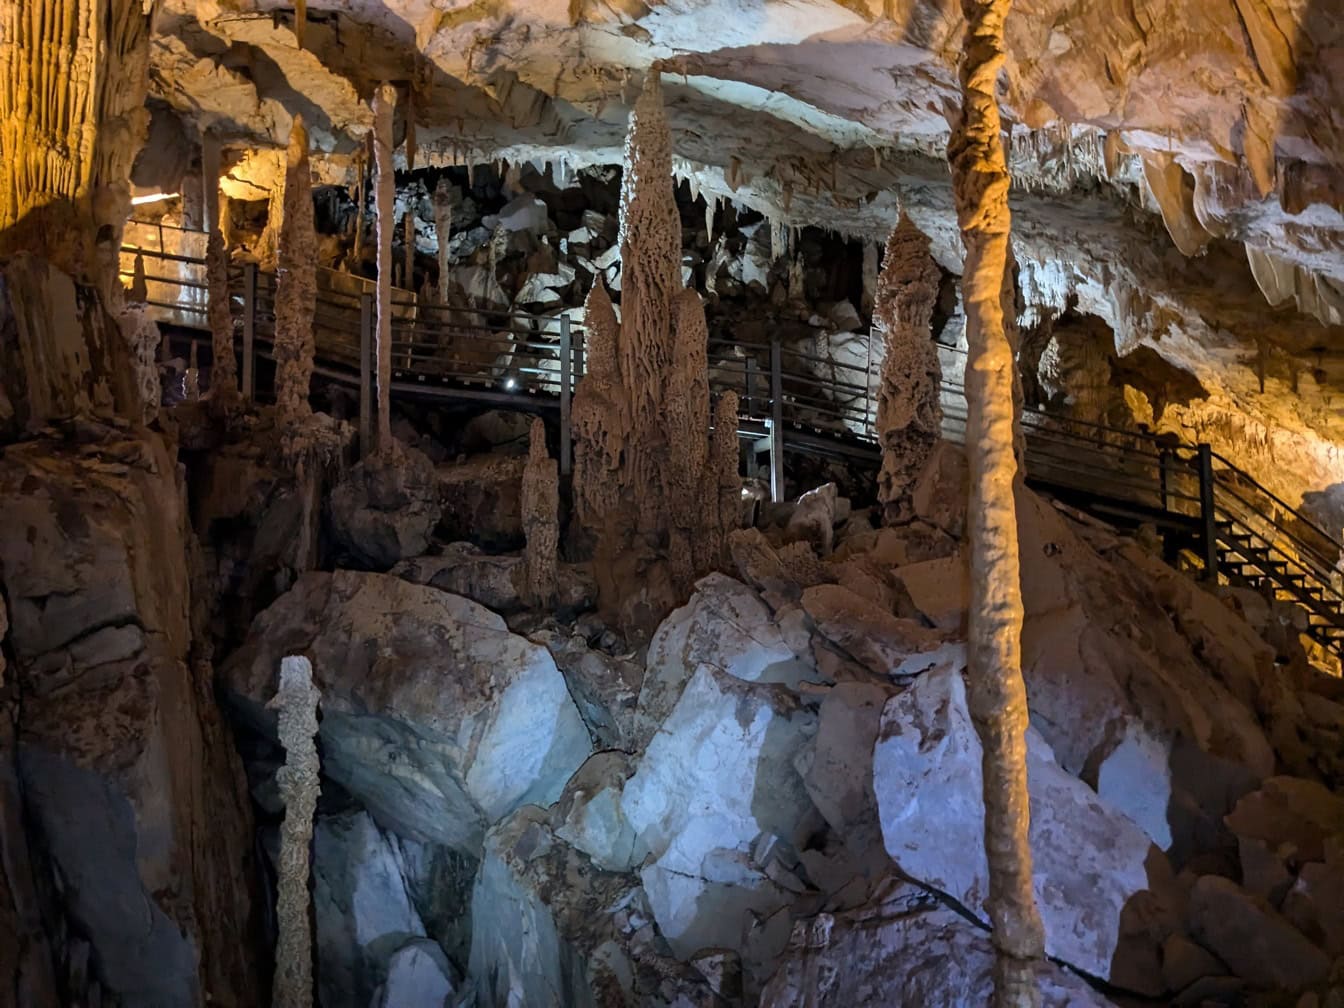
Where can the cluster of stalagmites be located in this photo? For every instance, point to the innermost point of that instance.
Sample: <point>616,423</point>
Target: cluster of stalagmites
<point>645,461</point>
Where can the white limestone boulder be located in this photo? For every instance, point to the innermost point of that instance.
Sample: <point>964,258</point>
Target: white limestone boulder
<point>715,784</point>
<point>434,715</point>
<point>418,973</point>
<point>1092,865</point>
<point>725,624</point>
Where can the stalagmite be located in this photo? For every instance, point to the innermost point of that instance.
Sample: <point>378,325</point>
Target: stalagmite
<point>210,172</point>
<point>139,292</point>
<point>142,335</point>
<point>296,283</point>
<point>443,230</point>
<point>909,414</point>
<point>597,416</point>
<point>300,21</point>
<point>224,373</point>
<point>384,101</point>
<point>296,707</point>
<point>686,416</point>
<point>997,694</point>
<point>408,250</point>
<point>73,76</point>
<point>723,497</point>
<point>540,506</point>
<point>650,241</point>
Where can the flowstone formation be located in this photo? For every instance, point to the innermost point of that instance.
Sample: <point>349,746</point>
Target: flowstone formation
<point>72,119</point>
<point>296,707</point>
<point>295,284</point>
<point>540,500</point>
<point>997,695</point>
<point>909,413</point>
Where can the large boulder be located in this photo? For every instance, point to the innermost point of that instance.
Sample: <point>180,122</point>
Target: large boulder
<point>715,785</point>
<point>549,927</point>
<point>495,580</point>
<point>479,501</point>
<point>886,645</point>
<point>604,687</point>
<point>1256,942</point>
<point>1093,867</point>
<point>434,715</point>
<point>904,950</point>
<point>386,508</point>
<point>725,624</point>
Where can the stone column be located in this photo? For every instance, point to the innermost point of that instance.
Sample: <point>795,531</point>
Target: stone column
<point>385,192</point>
<point>540,504</point>
<point>443,230</point>
<point>296,704</point>
<point>997,695</point>
<point>296,283</point>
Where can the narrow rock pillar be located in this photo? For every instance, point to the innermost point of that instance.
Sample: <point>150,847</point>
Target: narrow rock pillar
<point>540,505</point>
<point>296,283</point>
<point>385,193</point>
<point>997,694</point>
<point>443,231</point>
<point>296,705</point>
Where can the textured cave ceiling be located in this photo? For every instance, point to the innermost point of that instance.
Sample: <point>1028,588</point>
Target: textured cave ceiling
<point>1178,165</point>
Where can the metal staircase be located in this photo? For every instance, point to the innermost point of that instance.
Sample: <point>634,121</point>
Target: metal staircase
<point>1212,516</point>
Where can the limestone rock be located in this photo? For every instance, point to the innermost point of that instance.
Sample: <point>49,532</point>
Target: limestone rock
<point>939,589</point>
<point>590,813</point>
<point>1290,814</point>
<point>813,518</point>
<point>1256,943</point>
<point>1091,864</point>
<point>725,624</point>
<point>418,973</point>
<point>904,950</point>
<point>479,501</point>
<point>716,778</point>
<point>604,687</point>
<point>495,581</point>
<point>941,490</point>
<point>549,927</point>
<point>386,508</point>
<point>886,645</point>
<point>361,908</point>
<point>435,716</point>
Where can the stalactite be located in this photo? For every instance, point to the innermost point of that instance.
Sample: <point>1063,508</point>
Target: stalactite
<point>997,694</point>
<point>224,372</point>
<point>909,414</point>
<point>296,706</point>
<point>540,506</point>
<point>384,102</point>
<point>296,283</point>
<point>411,147</point>
<point>686,422</point>
<point>650,241</point>
<point>361,198</point>
<point>597,417</point>
<point>73,77</point>
<point>443,230</point>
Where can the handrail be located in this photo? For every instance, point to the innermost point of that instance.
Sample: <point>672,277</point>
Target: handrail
<point>468,351</point>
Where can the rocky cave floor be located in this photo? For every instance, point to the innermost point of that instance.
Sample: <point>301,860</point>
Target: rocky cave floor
<point>774,798</point>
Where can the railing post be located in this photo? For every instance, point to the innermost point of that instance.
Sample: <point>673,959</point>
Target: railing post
<point>249,329</point>
<point>1207,511</point>
<point>566,381</point>
<point>747,400</point>
<point>1164,479</point>
<point>776,422</point>
<point>365,375</point>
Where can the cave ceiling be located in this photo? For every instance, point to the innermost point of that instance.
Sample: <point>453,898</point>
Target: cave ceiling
<point>1178,166</point>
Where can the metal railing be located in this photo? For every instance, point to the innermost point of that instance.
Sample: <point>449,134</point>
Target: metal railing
<point>790,400</point>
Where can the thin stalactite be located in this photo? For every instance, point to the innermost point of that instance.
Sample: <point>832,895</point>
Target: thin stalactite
<point>997,693</point>
<point>385,194</point>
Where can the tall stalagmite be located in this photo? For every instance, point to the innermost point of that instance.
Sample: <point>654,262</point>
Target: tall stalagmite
<point>299,784</point>
<point>997,695</point>
<point>909,414</point>
<point>73,75</point>
<point>296,283</point>
<point>650,241</point>
<point>723,487</point>
<point>686,427</point>
<point>597,416</point>
<point>224,372</point>
<point>385,195</point>
<point>443,232</point>
<point>540,506</point>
